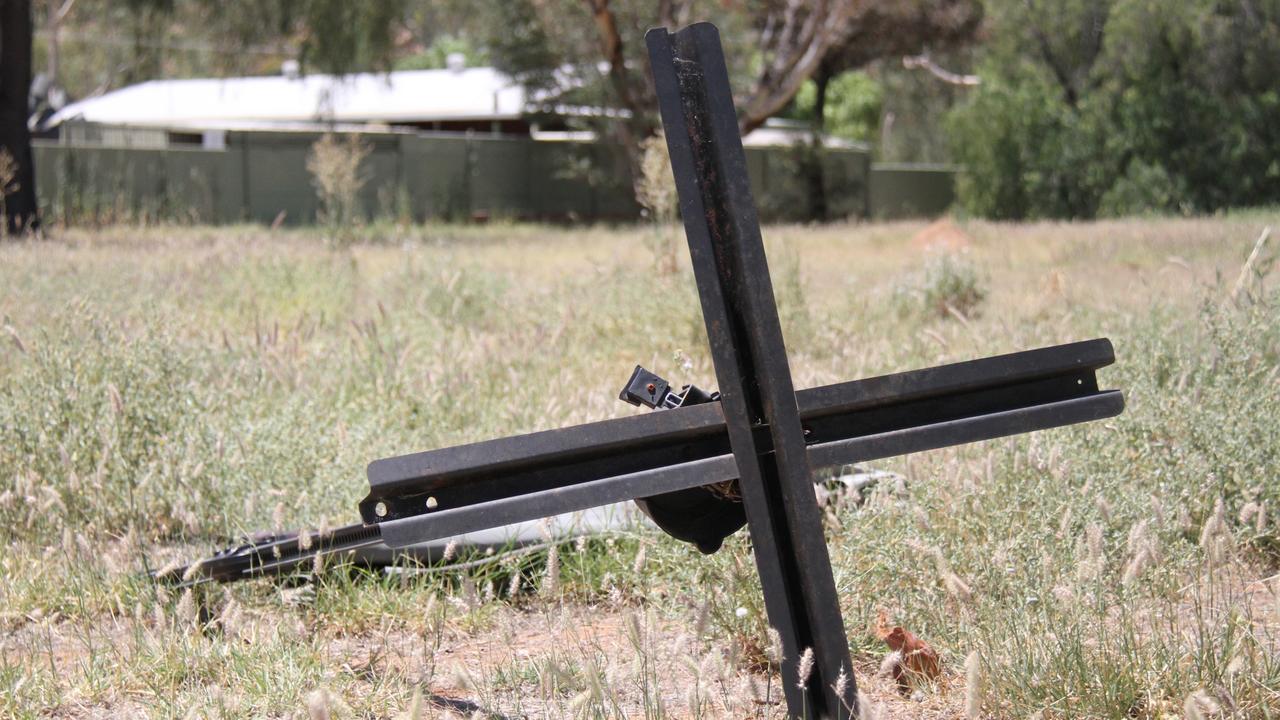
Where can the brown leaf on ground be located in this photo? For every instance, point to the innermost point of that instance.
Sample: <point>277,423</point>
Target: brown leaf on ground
<point>919,660</point>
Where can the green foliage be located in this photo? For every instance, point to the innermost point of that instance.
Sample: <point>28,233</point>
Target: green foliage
<point>853,105</point>
<point>199,38</point>
<point>1123,106</point>
<point>519,44</point>
<point>1142,188</point>
<point>437,54</point>
<point>1015,138</point>
<point>342,36</point>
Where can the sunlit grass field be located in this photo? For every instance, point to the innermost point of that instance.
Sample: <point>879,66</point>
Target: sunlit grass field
<point>165,389</point>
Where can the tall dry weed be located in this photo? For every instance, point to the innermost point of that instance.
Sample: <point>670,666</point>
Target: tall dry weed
<point>334,165</point>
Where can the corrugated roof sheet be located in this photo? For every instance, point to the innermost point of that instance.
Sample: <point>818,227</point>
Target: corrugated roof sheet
<point>281,102</point>
<point>401,96</point>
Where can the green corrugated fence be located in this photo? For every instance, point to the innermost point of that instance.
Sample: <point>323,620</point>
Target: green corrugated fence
<point>262,177</point>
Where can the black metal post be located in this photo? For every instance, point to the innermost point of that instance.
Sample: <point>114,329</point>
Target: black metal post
<point>751,367</point>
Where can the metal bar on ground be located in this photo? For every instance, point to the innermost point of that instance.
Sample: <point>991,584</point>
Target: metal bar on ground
<point>572,468</point>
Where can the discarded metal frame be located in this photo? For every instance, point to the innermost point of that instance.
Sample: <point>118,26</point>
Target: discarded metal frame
<point>274,553</point>
<point>760,435</point>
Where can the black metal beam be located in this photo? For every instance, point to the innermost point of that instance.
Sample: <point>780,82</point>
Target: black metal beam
<point>491,483</point>
<point>752,370</point>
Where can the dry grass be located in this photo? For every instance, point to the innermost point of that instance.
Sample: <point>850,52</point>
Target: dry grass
<point>163,388</point>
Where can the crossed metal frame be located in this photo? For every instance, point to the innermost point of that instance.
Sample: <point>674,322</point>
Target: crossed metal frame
<point>761,432</point>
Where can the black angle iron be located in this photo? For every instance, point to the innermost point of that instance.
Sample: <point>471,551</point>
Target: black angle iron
<point>271,554</point>
<point>754,445</point>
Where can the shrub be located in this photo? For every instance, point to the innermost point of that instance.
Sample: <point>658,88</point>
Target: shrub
<point>947,284</point>
<point>334,165</point>
<point>1122,106</point>
<point>1143,188</point>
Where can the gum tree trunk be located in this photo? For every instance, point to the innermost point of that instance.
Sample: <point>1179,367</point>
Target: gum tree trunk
<point>15,85</point>
<point>814,169</point>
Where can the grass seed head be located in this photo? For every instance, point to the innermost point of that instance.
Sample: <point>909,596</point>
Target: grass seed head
<point>1137,536</point>
<point>551,581</point>
<point>1235,665</point>
<point>414,711</point>
<point>1184,519</point>
<point>754,690</point>
<point>973,686</point>
<point>192,570</point>
<point>890,664</point>
<point>1136,566</point>
<point>580,702</point>
<point>461,678</point>
<point>1104,510</point>
<point>1064,523</point>
<point>635,631</point>
<point>775,646</point>
<point>1214,525</point>
<point>170,567</point>
<point>470,594</point>
<point>1094,543</point>
<point>186,609</point>
<point>711,667</point>
<point>1199,706</point>
<point>921,518</point>
<point>866,709</point>
<point>940,563</point>
<point>1157,510</point>
<point>805,669</point>
<point>513,585</point>
<point>703,617</point>
<point>957,587</point>
<point>319,705</point>
<point>842,683</point>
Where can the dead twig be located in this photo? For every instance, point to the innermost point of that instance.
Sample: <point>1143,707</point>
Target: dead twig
<point>1253,266</point>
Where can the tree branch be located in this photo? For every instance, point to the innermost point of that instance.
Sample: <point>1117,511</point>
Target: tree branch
<point>61,13</point>
<point>924,62</point>
<point>628,130</point>
<point>797,48</point>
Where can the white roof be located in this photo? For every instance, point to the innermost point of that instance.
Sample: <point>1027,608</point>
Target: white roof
<point>280,102</point>
<point>782,134</point>
<point>774,133</point>
<point>401,96</point>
